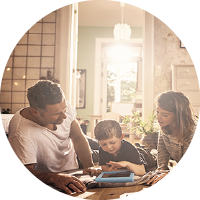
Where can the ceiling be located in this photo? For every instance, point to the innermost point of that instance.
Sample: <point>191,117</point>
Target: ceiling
<point>108,13</point>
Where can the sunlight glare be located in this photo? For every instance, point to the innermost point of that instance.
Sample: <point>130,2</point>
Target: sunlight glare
<point>122,52</point>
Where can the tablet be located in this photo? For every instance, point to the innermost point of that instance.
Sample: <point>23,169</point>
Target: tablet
<point>116,177</point>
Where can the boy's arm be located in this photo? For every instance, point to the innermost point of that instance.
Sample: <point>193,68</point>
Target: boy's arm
<point>137,169</point>
<point>106,168</point>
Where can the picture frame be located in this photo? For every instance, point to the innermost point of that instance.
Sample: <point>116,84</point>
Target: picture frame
<point>116,176</point>
<point>182,45</point>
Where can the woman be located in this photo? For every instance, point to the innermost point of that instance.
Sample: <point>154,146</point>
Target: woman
<point>174,114</point>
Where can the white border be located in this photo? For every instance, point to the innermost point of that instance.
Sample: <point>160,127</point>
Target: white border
<point>181,16</point>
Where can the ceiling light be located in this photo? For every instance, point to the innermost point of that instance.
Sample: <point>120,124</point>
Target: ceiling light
<point>122,31</point>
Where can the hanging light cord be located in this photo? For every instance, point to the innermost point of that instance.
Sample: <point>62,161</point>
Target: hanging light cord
<point>122,5</point>
<point>122,15</point>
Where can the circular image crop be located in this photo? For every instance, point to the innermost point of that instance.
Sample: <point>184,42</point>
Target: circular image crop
<point>99,100</point>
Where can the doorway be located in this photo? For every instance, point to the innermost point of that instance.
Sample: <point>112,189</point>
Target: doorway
<point>119,77</point>
<point>101,60</point>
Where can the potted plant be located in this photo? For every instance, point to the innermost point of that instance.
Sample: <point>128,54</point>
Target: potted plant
<point>148,131</point>
<point>7,111</point>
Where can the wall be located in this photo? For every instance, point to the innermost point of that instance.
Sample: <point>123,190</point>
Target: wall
<point>86,59</point>
<point>31,58</point>
<point>167,51</point>
<point>46,46</point>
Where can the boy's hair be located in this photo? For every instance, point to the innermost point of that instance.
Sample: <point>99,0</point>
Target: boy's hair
<point>44,93</point>
<point>106,129</point>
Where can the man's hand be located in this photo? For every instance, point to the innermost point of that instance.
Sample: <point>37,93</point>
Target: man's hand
<point>65,182</point>
<point>92,171</point>
<point>68,183</point>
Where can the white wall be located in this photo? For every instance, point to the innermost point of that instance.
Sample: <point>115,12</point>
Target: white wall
<point>148,66</point>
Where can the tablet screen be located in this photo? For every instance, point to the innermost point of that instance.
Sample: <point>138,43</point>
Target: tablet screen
<point>118,174</point>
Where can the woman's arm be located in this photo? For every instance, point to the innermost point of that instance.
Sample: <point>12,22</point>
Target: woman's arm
<point>163,154</point>
<point>163,159</point>
<point>186,143</point>
<point>161,174</point>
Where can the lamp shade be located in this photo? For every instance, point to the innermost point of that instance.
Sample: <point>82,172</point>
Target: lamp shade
<point>122,32</point>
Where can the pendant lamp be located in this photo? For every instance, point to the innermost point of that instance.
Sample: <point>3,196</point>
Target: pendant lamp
<point>122,31</point>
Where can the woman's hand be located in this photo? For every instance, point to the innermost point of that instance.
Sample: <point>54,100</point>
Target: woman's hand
<point>157,178</point>
<point>92,171</point>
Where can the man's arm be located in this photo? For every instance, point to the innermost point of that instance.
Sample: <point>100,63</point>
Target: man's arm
<point>62,181</point>
<point>81,145</point>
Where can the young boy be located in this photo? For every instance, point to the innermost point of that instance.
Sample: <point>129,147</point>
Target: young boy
<point>116,153</point>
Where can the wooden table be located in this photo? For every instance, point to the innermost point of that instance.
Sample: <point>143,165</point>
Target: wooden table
<point>109,193</point>
<point>102,193</point>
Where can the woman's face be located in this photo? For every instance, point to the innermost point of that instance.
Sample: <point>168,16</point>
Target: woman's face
<point>166,118</point>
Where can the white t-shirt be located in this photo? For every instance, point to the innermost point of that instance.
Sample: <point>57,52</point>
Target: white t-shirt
<point>49,151</point>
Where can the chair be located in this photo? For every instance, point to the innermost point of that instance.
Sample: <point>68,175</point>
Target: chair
<point>6,120</point>
<point>111,115</point>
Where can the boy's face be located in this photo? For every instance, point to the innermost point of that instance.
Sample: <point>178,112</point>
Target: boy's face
<point>111,145</point>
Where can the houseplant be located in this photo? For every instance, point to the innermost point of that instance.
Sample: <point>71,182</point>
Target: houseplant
<point>148,130</point>
<point>7,111</point>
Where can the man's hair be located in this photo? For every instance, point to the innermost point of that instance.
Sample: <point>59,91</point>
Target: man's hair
<point>106,129</point>
<point>44,93</point>
<point>179,104</point>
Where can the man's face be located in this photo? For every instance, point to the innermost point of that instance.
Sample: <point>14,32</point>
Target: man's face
<point>54,114</point>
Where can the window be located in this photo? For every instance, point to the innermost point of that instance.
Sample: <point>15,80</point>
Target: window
<point>32,57</point>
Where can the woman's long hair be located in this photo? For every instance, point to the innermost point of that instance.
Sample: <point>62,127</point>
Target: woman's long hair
<point>179,104</point>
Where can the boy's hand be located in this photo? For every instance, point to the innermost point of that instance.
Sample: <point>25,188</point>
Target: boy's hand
<point>92,171</point>
<point>117,165</point>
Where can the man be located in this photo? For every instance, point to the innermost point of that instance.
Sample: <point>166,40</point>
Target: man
<point>47,138</point>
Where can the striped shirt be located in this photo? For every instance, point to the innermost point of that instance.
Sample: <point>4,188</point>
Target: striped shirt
<point>170,148</point>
